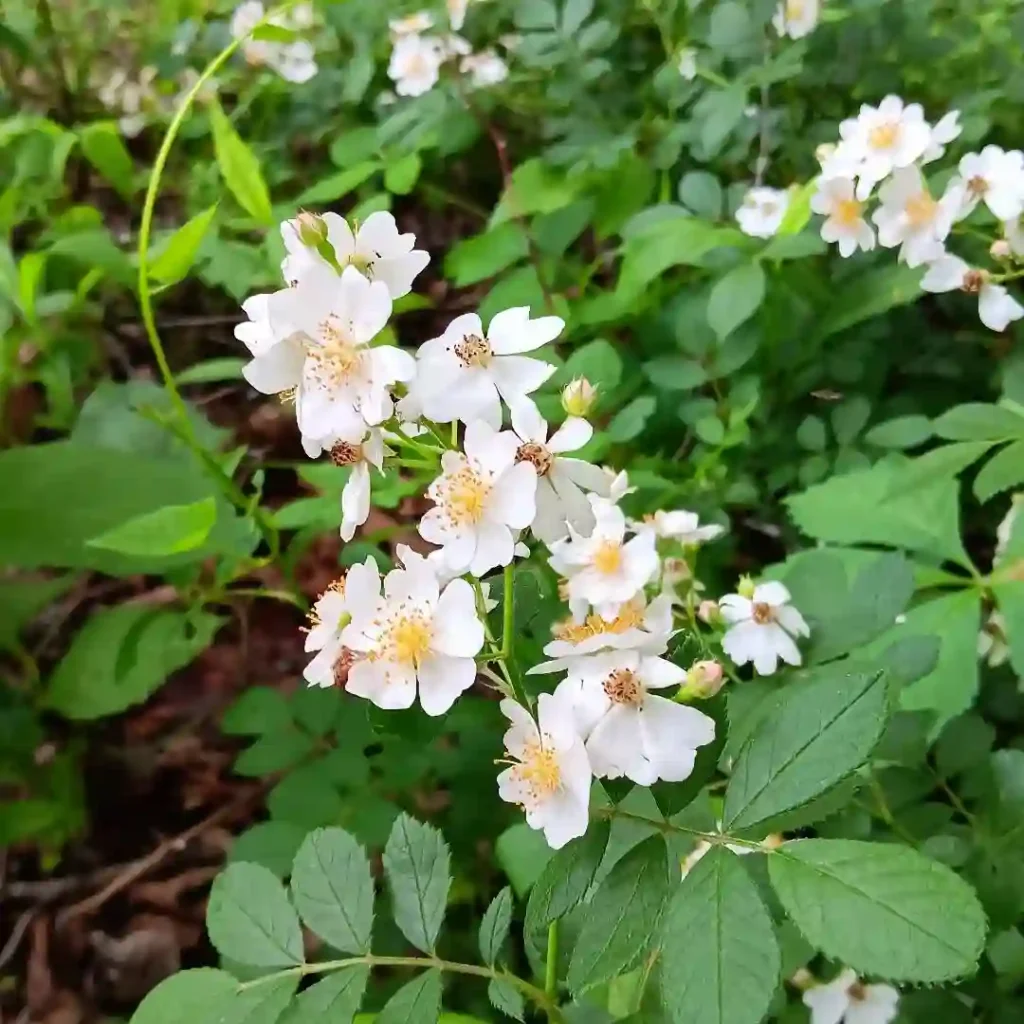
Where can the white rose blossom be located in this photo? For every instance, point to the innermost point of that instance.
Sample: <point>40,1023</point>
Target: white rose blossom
<point>328,619</point>
<point>912,219</point>
<point>411,24</point>
<point>943,132</point>
<point>359,455</point>
<point>762,627</point>
<point>997,308</point>
<point>847,1000</point>
<point>416,638</point>
<point>294,61</point>
<point>549,774</point>
<point>993,177</point>
<point>415,64</point>
<point>484,68</point>
<point>481,499</point>
<point>628,729</point>
<point>761,211</point>
<point>796,18</point>
<point>685,527</point>
<point>844,216</point>
<point>465,374</point>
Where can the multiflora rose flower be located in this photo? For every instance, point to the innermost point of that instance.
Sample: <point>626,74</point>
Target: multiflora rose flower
<point>993,177</point>
<point>997,308</point>
<point>684,527</point>
<point>847,1000</point>
<point>481,498</point>
<point>413,638</point>
<point>761,212</point>
<point>762,627</point>
<point>294,61</point>
<point>415,64</point>
<point>549,774</point>
<point>358,455</point>
<point>912,219</point>
<point>844,216</point>
<point>796,18</point>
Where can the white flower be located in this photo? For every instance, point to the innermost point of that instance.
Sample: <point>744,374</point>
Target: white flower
<point>604,570</point>
<point>456,13</point>
<point>328,619</point>
<point>943,132</point>
<point>685,527</point>
<point>996,306</point>
<point>910,218</point>
<point>377,250</point>
<point>628,729</point>
<point>846,1000</point>
<point>561,482</point>
<point>415,64</point>
<point>883,139</point>
<point>342,383</point>
<point>360,455</point>
<point>484,68</point>
<point>844,215</point>
<point>1014,232</point>
<point>761,211</point>
<point>414,636</point>
<point>293,61</point>
<point>550,774</point>
<point>796,18</point>
<point>411,24</point>
<point>480,498</point>
<point>762,628</point>
<point>686,62</point>
<point>464,374</point>
<point>996,178</point>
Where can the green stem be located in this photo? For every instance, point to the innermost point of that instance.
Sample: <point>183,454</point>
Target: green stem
<point>551,963</point>
<point>327,966</point>
<point>508,609</point>
<point>716,838</point>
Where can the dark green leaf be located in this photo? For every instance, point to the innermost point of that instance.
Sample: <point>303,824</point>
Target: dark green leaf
<point>416,864</point>
<point>1004,470</point>
<point>504,996</point>
<point>333,1000</point>
<point>977,421</point>
<point>495,925</point>
<point>417,1002</point>
<point>735,298</point>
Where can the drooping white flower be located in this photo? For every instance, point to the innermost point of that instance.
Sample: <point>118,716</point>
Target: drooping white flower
<point>996,306</point>
<point>359,455</point>
<point>342,383</point>
<point>844,216</point>
<point>561,482</point>
<point>847,1000</point>
<point>480,498</point>
<point>465,374</point>
<point>883,139</point>
<point>293,61</point>
<point>910,218</point>
<point>411,24</point>
<point>996,178</point>
<point>550,774</point>
<point>943,132</point>
<point>761,211</point>
<point>484,68</point>
<point>762,627</point>
<point>328,619</point>
<point>686,62</point>
<point>377,250</point>
<point>415,637</point>
<point>415,64</point>
<point>796,18</point>
<point>628,729</point>
<point>604,570</point>
<point>685,527</point>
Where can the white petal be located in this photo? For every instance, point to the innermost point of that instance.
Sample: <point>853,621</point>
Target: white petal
<point>457,629</point>
<point>443,679</point>
<point>827,1003</point>
<point>996,307</point>
<point>494,450</point>
<point>575,505</point>
<point>494,548</point>
<point>513,331</point>
<point>792,621</point>
<point>573,434</point>
<point>339,235</point>
<point>517,376</point>
<point>383,683</point>
<point>355,501</point>
<point>773,592</point>
<point>657,673</point>
<point>527,421</point>
<point>549,524</point>
<point>671,734</point>
<point>588,476</point>
<point>513,500</point>
<point>278,369</point>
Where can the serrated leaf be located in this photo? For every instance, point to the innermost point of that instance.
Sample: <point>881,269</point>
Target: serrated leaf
<point>273,844</point>
<point>239,167</point>
<point>187,997</point>
<point>1004,470</point>
<point>178,254</point>
<point>170,530</point>
<point>333,889</point>
<point>619,923</point>
<point>718,945</point>
<point>881,909</point>
<point>416,1002</point>
<point>824,729</point>
<point>567,877</point>
<point>735,298</point>
<point>416,862</point>
<point>869,295</point>
<point>938,464</point>
<point>260,1004</point>
<point>250,919</point>
<point>504,996</point>
<point>333,1000</point>
<point>495,925</point>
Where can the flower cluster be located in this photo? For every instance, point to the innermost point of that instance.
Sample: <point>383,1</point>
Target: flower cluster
<point>504,479</point>
<point>294,60</point>
<point>848,1000</point>
<point>417,54</point>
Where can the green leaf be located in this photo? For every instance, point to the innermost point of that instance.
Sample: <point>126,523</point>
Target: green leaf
<point>823,730</point>
<point>735,298</point>
<point>718,946</point>
<point>622,917</point>
<point>250,920</point>
<point>869,295</point>
<point>675,373</point>
<point>416,1002</point>
<point>121,655</point>
<point>400,175</point>
<point>187,997</point>
<point>810,434</point>
<point>495,925</point>
<point>329,189</point>
<point>504,996</point>
<point>212,371</point>
<point>416,864</point>
<point>721,111</point>
<point>95,248</point>
<point>901,432</point>
<point>167,531</point>
<point>178,254</point>
<point>522,853</point>
<point>272,844</point>
<point>978,421</point>
<point>482,256</point>
<point>21,600</point>
<point>879,908</point>
<point>333,1000</point>
<point>535,188</point>
<point>702,194</point>
<point>939,464</point>
<point>103,147</point>
<point>798,210</point>
<point>275,751</point>
<point>567,877</point>
<point>258,710</point>
<point>1004,470</point>
<point>631,420</point>
<point>333,889</point>
<point>262,1004</point>
<point>239,167</point>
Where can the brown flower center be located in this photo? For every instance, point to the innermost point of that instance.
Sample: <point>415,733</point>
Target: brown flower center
<point>344,453</point>
<point>345,660</point>
<point>977,185</point>
<point>623,687</point>
<point>473,351</point>
<point>763,613</point>
<point>974,281</point>
<point>536,454</point>
<point>857,992</point>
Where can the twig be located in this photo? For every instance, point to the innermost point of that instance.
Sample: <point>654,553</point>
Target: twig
<point>17,934</point>
<point>49,890</point>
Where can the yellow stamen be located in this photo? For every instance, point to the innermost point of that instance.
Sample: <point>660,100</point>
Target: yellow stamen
<point>408,640</point>
<point>607,557</point>
<point>631,616</point>
<point>464,496</point>
<point>920,209</point>
<point>884,136</point>
<point>847,212</point>
<point>623,687</point>
<point>763,613</point>
<point>539,770</point>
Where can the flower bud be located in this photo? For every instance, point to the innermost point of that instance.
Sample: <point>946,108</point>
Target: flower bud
<point>578,397</point>
<point>746,587</point>
<point>311,229</point>
<point>704,679</point>
<point>1000,249</point>
<point>708,611</point>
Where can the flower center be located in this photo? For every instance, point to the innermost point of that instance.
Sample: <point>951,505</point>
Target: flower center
<point>974,281</point>
<point>536,454</point>
<point>857,992</point>
<point>345,660</point>
<point>473,351</point>
<point>623,687</point>
<point>464,495</point>
<point>762,613</point>
<point>631,616</point>
<point>408,639</point>
<point>344,453</point>
<point>362,263</point>
<point>337,357</point>
<point>847,212</point>
<point>883,136</point>
<point>539,770</point>
<point>920,209</point>
<point>977,185</point>
<point>794,9</point>
<point>608,557</point>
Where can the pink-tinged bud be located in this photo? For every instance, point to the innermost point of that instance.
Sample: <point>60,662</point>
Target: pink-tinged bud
<point>311,229</point>
<point>708,611</point>
<point>578,397</point>
<point>704,679</point>
<point>1000,249</point>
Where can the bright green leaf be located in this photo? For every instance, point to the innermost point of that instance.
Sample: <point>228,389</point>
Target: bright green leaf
<point>178,254</point>
<point>187,997</point>
<point>239,167</point>
<point>1004,470</point>
<point>978,421</point>
<point>167,531</point>
<point>329,189</point>
<point>332,1000</point>
<point>400,175</point>
<point>735,298</point>
<point>105,150</point>
<point>482,256</point>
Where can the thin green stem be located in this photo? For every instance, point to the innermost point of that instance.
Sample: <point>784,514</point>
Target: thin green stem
<point>508,609</point>
<point>716,838</point>
<point>551,963</point>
